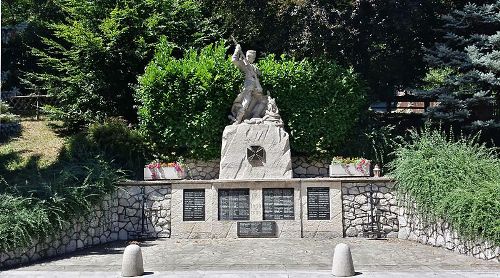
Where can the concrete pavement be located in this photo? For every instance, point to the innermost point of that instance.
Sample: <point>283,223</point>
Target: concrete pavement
<point>264,258</point>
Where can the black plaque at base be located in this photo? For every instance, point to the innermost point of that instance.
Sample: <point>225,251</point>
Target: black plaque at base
<point>257,229</point>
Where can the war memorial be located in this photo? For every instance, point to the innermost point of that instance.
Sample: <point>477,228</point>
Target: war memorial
<point>258,200</point>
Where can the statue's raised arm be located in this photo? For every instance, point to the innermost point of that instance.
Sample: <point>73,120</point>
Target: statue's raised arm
<point>238,58</point>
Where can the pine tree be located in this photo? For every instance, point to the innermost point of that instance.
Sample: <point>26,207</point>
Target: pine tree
<point>468,57</point>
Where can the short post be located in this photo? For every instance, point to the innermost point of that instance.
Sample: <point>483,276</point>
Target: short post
<point>342,265</point>
<point>132,264</point>
<point>37,117</point>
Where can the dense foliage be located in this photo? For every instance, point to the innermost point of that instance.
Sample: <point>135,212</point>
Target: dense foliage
<point>118,144</point>
<point>382,40</point>
<point>185,102</point>
<point>92,58</point>
<point>454,180</point>
<point>466,69</point>
<point>104,45</point>
<point>5,114</point>
<point>320,101</point>
<point>36,204</point>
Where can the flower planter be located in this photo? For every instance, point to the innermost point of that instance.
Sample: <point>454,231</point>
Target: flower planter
<point>163,173</point>
<point>350,170</point>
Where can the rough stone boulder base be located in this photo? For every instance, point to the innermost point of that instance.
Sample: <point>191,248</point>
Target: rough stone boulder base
<point>236,139</point>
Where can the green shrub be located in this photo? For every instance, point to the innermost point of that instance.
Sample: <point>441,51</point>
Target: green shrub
<point>21,221</point>
<point>5,115</point>
<point>120,144</point>
<point>319,100</point>
<point>43,206</point>
<point>184,103</point>
<point>454,180</point>
<point>114,142</point>
<point>4,107</point>
<point>475,212</point>
<point>10,125</point>
<point>37,202</point>
<point>8,118</point>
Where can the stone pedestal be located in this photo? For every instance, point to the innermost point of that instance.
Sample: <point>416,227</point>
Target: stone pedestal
<point>255,151</point>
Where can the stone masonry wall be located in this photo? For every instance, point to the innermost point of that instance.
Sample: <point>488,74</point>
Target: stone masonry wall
<point>118,217</point>
<point>156,203</point>
<point>202,170</point>
<point>143,209</point>
<point>362,200</point>
<point>302,168</point>
<point>440,234</point>
<point>95,228</point>
<point>305,168</point>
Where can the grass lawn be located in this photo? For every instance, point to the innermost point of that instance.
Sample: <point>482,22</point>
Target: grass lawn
<point>36,148</point>
<point>37,142</point>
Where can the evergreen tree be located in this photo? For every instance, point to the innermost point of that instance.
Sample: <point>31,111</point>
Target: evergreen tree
<point>468,59</point>
<point>382,40</point>
<point>91,60</point>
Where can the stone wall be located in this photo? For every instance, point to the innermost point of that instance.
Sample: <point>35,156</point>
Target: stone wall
<point>440,234</point>
<point>155,199</point>
<point>145,209</point>
<point>202,170</point>
<point>301,167</point>
<point>305,168</point>
<point>96,228</point>
<point>369,209</point>
<point>118,217</point>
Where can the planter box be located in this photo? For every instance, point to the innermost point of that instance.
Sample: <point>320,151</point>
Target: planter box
<point>163,173</point>
<point>349,170</point>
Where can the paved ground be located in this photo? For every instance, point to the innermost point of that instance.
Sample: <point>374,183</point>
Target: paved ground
<point>265,258</point>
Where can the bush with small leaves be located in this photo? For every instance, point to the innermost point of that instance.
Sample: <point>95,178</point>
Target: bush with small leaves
<point>184,103</point>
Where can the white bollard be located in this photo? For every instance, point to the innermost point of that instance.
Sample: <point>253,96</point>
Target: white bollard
<point>342,265</point>
<point>132,264</point>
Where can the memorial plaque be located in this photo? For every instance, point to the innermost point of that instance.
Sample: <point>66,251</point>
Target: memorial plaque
<point>194,205</point>
<point>318,203</point>
<point>257,229</point>
<point>234,204</point>
<point>278,203</point>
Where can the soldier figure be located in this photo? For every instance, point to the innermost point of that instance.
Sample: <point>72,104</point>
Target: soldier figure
<point>250,102</point>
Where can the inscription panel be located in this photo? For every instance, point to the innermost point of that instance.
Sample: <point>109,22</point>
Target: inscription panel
<point>193,205</point>
<point>318,203</point>
<point>278,204</point>
<point>234,204</point>
<point>257,229</point>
